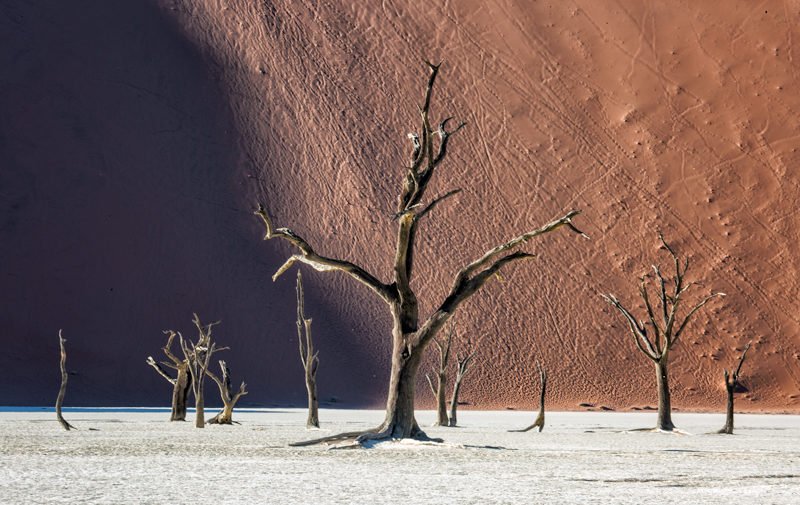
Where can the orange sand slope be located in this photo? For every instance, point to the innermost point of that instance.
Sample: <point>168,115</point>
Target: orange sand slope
<point>140,136</point>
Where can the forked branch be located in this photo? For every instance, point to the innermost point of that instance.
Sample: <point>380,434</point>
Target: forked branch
<point>316,261</point>
<point>463,362</point>
<point>731,384</point>
<point>472,277</point>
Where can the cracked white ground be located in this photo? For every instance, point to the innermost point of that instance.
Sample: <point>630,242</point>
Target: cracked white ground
<point>140,457</point>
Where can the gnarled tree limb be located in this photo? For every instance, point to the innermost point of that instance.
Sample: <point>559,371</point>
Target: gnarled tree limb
<point>317,261</point>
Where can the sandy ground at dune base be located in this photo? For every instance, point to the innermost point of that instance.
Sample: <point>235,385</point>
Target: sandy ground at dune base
<point>124,457</point>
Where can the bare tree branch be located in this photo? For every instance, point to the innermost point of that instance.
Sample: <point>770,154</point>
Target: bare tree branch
<point>490,255</point>
<point>693,312</point>
<point>160,370</point>
<point>731,383</point>
<point>741,362</point>
<point>638,330</point>
<point>436,201</point>
<point>317,261</point>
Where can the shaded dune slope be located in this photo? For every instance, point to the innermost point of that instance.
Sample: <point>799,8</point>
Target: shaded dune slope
<point>138,138</point>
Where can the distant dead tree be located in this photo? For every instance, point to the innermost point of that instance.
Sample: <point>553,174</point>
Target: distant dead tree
<point>539,423</point>
<point>462,365</point>
<point>226,393</point>
<point>308,356</point>
<point>731,385</point>
<point>666,332</point>
<point>439,391</point>
<point>463,361</point>
<point>63,390</point>
<point>410,335</point>
<point>181,383</point>
<point>198,355</point>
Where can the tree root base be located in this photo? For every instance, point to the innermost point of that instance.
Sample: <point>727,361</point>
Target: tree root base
<point>364,439</point>
<point>673,431</point>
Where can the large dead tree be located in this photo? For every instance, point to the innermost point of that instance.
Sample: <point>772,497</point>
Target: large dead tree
<point>198,355</point>
<point>439,391</point>
<point>656,335</point>
<point>63,389</point>
<point>539,422</point>
<point>308,356</point>
<point>181,383</point>
<point>411,334</point>
<point>463,361</point>
<point>731,385</point>
<point>227,394</point>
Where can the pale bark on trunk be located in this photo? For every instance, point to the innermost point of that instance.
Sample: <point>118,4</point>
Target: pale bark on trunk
<point>198,355</point>
<point>462,367</point>
<point>441,402</point>
<point>308,356</point>
<point>63,389</point>
<point>440,390</point>
<point>312,419</point>
<point>199,406</point>
<point>409,338</point>
<point>229,398</point>
<point>225,416</point>
<point>452,420</point>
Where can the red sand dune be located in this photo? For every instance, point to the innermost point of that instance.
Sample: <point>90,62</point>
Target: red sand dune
<point>135,138</point>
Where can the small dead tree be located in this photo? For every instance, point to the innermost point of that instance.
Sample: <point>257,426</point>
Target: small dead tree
<point>539,423</point>
<point>439,390</point>
<point>308,356</point>
<point>198,355</point>
<point>731,385</point>
<point>411,334</point>
<point>63,389</point>
<point>667,331</point>
<point>226,392</point>
<point>181,383</point>
<point>463,362</point>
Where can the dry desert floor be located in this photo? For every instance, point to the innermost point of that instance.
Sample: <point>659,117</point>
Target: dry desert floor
<point>135,456</point>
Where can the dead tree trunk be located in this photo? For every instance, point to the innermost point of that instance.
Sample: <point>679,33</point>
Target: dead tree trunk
<point>308,356</point>
<point>667,331</point>
<point>63,389</point>
<point>226,393</point>
<point>198,355</point>
<point>664,420</point>
<point>441,378</point>
<point>539,423</point>
<point>462,366</point>
<point>410,334</point>
<point>731,384</point>
<point>181,383</point>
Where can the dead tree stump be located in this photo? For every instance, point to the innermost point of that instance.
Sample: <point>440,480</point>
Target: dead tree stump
<point>226,393</point>
<point>731,384</point>
<point>63,390</point>
<point>539,423</point>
